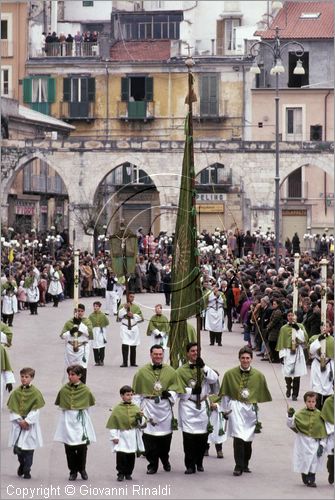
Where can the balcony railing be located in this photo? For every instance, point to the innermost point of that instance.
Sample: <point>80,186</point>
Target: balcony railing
<point>295,190</point>
<point>136,110</point>
<point>6,48</point>
<point>77,111</point>
<point>65,49</point>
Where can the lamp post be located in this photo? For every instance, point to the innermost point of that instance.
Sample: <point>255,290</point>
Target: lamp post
<point>277,50</point>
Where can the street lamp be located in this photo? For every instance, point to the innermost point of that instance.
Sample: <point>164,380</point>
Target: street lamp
<point>277,68</point>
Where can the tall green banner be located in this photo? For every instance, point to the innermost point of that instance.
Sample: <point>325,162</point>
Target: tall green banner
<point>186,293</point>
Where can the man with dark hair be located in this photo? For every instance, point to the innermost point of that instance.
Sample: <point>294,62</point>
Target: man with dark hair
<point>194,421</point>
<point>243,387</point>
<point>77,332</point>
<point>156,388</point>
<point>130,315</point>
<point>99,322</point>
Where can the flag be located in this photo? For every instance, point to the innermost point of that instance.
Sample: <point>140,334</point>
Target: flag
<point>186,295</point>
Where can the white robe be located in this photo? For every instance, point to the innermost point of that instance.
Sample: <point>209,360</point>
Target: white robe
<point>111,301</point>
<point>130,440</point>
<point>191,419</point>
<point>7,377</point>
<point>218,422</point>
<point>70,429</point>
<point>9,304</point>
<point>242,419</point>
<point>55,286</point>
<point>162,341</point>
<point>214,318</point>
<point>28,439</point>
<point>99,337</point>
<point>294,364</point>
<point>330,438</point>
<point>321,382</point>
<point>132,336</point>
<point>305,449</point>
<point>80,357</point>
<point>159,414</point>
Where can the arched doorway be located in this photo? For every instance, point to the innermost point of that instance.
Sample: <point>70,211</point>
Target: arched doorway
<point>37,198</point>
<point>307,203</point>
<point>128,193</point>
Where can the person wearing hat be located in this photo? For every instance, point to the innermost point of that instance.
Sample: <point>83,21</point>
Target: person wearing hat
<point>99,322</point>
<point>77,332</point>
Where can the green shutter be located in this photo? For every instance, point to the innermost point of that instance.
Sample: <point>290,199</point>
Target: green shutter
<point>27,90</point>
<point>149,89</point>
<point>125,89</point>
<point>204,95</point>
<point>67,89</point>
<point>51,89</point>
<point>91,89</point>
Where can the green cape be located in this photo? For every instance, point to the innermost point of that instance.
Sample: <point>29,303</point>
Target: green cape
<point>310,423</point>
<point>185,374</point>
<point>7,330</point>
<point>5,363</point>
<point>285,336</point>
<point>22,401</point>
<point>123,417</point>
<point>69,324</point>
<point>329,345</point>
<point>134,308</point>
<point>234,381</point>
<point>160,322</point>
<point>75,397</point>
<point>98,319</point>
<point>146,377</point>
<point>327,411</point>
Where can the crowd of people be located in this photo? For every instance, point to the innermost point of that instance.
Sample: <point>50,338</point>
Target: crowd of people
<point>239,284</point>
<point>80,44</point>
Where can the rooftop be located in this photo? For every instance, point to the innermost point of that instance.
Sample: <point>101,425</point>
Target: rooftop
<point>303,20</point>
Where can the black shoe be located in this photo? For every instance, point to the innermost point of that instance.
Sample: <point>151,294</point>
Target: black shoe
<point>151,471</point>
<point>134,364</point>
<point>124,365</point>
<point>304,478</point>
<point>311,485</point>
<point>167,467</point>
<point>206,454</point>
<point>246,469</point>
<point>331,478</point>
<point>189,470</point>
<point>120,477</point>
<point>220,345</point>
<point>237,472</point>
<point>288,393</point>
<point>26,475</point>
<point>84,475</point>
<point>294,398</point>
<point>200,468</point>
<point>20,471</point>
<point>128,476</point>
<point>73,476</point>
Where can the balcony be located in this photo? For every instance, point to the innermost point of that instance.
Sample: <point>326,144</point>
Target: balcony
<point>294,191</point>
<point>222,183</point>
<point>136,111</point>
<point>6,48</point>
<point>65,49</point>
<point>71,111</point>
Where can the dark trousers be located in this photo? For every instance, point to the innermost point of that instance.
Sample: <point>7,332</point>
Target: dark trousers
<point>229,319</point>
<point>194,449</point>
<point>55,299</point>
<point>8,319</point>
<point>295,381</point>
<point>274,355</point>
<point>99,355</point>
<point>242,453</point>
<point>215,337</point>
<point>25,457</point>
<point>33,307</point>
<point>330,468</point>
<point>76,457</point>
<point>157,447</point>
<point>125,463</point>
<point>125,351</point>
<point>320,399</point>
<point>167,298</point>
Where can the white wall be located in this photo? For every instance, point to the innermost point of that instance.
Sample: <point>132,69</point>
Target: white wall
<point>74,10</point>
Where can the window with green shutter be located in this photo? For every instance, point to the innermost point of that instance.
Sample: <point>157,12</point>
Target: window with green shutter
<point>39,92</point>
<point>27,94</point>
<point>209,98</point>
